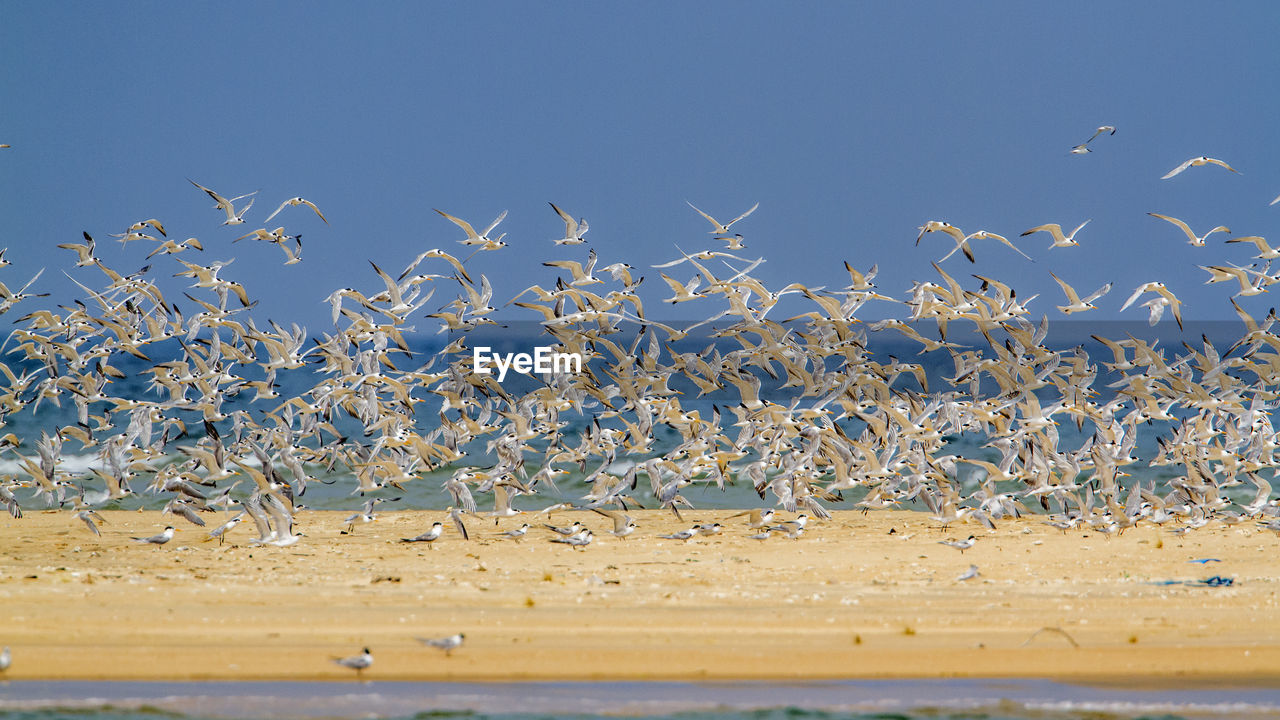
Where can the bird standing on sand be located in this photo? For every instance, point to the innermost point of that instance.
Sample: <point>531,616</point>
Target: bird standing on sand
<point>447,644</point>
<point>359,663</point>
<point>160,539</point>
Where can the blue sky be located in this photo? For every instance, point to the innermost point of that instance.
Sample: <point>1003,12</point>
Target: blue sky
<point>850,123</point>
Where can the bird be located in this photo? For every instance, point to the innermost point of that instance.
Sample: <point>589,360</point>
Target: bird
<point>88,517</point>
<point>756,518</point>
<point>960,545</point>
<point>429,536</point>
<point>447,644</point>
<point>686,534</point>
<point>359,663</point>
<point>160,539</point>
<point>517,533</point>
<point>1075,303</point>
<point>6,657</point>
<point>576,541</point>
<point>721,231</point>
<point>969,574</point>
<point>1157,308</point>
<point>1198,162</point>
<point>474,238</point>
<point>294,202</point>
<point>221,531</point>
<point>234,217</point>
<point>1059,240</point>
<point>574,230</point>
<point>623,524</point>
<point>1196,240</point>
<point>1083,147</point>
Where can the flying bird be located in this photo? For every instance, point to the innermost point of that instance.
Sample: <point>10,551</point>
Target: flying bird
<point>1197,162</point>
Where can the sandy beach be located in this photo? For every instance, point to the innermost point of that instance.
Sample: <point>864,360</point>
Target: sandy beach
<point>859,596</point>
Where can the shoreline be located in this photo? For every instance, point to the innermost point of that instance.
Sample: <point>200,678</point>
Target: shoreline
<point>848,600</point>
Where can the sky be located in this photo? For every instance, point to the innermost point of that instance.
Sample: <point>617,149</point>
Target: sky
<point>851,124</point>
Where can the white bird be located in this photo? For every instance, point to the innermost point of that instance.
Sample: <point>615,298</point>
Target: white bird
<point>429,536</point>
<point>1054,229</point>
<point>1197,162</point>
<point>160,539</point>
<point>1083,147</point>
<point>1196,240</point>
<point>969,574</point>
<point>447,644</point>
<point>294,202</point>
<point>623,524</point>
<point>518,533</point>
<point>234,217</point>
<point>573,229</point>
<point>722,231</point>
<point>6,657</point>
<point>685,535</point>
<point>1157,307</point>
<point>1075,303</point>
<point>960,545</point>
<point>474,238</point>
<point>577,540</point>
<point>359,663</point>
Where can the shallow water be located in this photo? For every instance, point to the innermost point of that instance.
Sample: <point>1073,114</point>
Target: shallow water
<point>906,699</point>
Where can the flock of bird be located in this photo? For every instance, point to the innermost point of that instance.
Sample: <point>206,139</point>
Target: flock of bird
<point>808,411</point>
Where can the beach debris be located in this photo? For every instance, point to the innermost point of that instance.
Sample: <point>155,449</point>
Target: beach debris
<point>1053,631</point>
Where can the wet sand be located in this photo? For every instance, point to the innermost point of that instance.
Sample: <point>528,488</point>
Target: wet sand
<point>848,600</point>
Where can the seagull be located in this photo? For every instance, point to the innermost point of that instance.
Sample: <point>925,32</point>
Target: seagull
<point>960,545</point>
<point>573,229</point>
<point>160,539</point>
<point>1197,162</point>
<point>358,663</point>
<point>294,202</point>
<point>1195,240</point>
<point>447,644</point>
<point>1054,229</point>
<point>429,536</point>
<point>1076,304</point>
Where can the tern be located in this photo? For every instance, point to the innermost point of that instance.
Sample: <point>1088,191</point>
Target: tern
<point>160,539</point>
<point>1197,162</point>
<point>576,541</point>
<point>6,657</point>
<point>359,663</point>
<point>756,518</point>
<point>1075,302</point>
<point>1196,240</point>
<point>623,524</point>
<point>482,239</point>
<point>294,202</point>
<point>721,231</point>
<point>447,644</point>
<point>969,574</point>
<point>960,545</point>
<point>573,229</point>
<point>686,535</point>
<point>429,536</point>
<point>234,217</point>
<point>1054,229</point>
<point>516,534</point>
<point>1157,308</point>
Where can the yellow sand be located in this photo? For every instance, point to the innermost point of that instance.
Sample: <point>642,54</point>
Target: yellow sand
<point>848,600</point>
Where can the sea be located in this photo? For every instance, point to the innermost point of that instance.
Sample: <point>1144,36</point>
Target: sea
<point>863,700</point>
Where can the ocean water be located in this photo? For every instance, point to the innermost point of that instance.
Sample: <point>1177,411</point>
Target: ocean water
<point>883,700</point>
